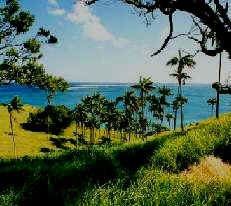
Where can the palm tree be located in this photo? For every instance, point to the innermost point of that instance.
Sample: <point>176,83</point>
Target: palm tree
<point>181,62</point>
<point>217,43</point>
<point>14,105</point>
<point>145,86</point>
<point>175,108</point>
<point>164,92</point>
<point>131,105</point>
<point>130,102</point>
<point>80,116</point>
<point>212,102</point>
<point>178,102</point>
<point>218,94</point>
<point>169,116</point>
<point>94,107</point>
<point>156,107</point>
<point>110,116</point>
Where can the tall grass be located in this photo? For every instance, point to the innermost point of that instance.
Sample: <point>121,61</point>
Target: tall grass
<point>183,151</point>
<point>129,174</point>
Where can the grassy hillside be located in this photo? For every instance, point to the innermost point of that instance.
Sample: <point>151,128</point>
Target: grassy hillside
<point>29,143</point>
<point>174,168</point>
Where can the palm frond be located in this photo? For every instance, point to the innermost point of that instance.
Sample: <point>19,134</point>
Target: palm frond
<point>172,62</point>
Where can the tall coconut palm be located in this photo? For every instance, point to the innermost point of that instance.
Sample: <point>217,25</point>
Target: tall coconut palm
<point>181,62</point>
<point>14,105</point>
<point>94,106</point>
<point>130,102</point>
<point>145,86</point>
<point>164,93</point>
<point>110,116</point>
<point>212,102</point>
<point>169,116</point>
<point>175,108</point>
<point>131,105</point>
<point>156,107</point>
<point>218,94</point>
<point>178,102</point>
<point>215,42</point>
<point>79,115</point>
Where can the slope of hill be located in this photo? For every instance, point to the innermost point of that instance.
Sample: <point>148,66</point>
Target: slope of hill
<point>174,168</point>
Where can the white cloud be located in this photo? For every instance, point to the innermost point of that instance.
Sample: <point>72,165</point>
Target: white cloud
<point>57,12</point>
<point>53,2</point>
<point>92,26</point>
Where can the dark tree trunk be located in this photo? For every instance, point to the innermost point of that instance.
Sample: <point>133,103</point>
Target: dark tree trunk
<point>12,133</point>
<point>92,138</point>
<point>175,117</point>
<point>218,94</point>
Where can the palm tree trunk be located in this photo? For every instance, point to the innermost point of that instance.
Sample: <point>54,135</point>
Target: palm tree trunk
<point>181,109</point>
<point>175,117</point>
<point>218,94</point>
<point>11,124</point>
<point>142,108</point>
<point>12,133</point>
<point>181,118</point>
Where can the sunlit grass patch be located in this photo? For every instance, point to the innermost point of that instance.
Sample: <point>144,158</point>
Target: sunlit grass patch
<point>209,169</point>
<point>27,143</point>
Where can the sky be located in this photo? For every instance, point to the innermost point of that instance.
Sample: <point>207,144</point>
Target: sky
<point>110,43</point>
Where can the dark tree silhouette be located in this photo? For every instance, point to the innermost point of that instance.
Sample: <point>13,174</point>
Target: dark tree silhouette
<point>209,16</point>
<point>14,105</point>
<point>212,102</point>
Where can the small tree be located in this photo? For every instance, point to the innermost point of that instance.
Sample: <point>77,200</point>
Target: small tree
<point>16,50</point>
<point>14,105</point>
<point>19,54</point>
<point>51,85</point>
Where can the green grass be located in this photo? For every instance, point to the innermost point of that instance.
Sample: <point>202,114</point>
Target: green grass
<point>29,143</point>
<point>138,173</point>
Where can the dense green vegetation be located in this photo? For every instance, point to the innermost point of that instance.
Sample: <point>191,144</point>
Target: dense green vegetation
<point>143,173</point>
<point>153,170</point>
<point>51,119</point>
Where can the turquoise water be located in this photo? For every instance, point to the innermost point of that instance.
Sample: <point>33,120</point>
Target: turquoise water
<point>196,109</point>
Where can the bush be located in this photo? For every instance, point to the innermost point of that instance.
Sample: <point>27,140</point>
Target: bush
<point>51,119</point>
<point>105,140</point>
<point>81,140</point>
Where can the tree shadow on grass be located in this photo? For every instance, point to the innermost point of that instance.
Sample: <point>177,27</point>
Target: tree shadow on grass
<point>61,141</point>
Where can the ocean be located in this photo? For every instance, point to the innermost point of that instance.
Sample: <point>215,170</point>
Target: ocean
<point>197,94</point>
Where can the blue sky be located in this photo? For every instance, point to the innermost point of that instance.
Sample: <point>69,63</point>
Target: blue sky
<point>111,43</point>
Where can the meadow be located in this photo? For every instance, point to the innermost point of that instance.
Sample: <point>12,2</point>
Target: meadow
<point>172,168</point>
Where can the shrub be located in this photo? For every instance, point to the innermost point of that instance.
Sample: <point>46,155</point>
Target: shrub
<point>51,119</point>
<point>105,140</point>
<point>81,140</point>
